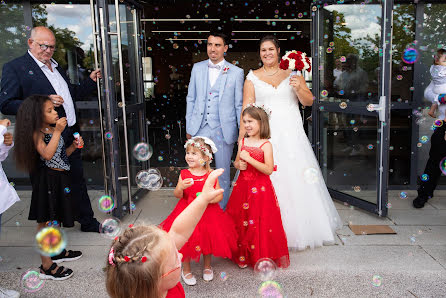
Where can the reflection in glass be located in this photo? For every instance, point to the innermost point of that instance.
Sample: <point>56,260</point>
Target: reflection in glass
<point>349,53</point>
<point>349,153</point>
<point>13,36</point>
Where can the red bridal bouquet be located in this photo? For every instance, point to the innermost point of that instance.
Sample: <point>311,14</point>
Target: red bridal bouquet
<point>295,60</point>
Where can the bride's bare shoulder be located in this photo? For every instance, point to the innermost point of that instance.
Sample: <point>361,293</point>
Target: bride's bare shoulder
<point>257,71</point>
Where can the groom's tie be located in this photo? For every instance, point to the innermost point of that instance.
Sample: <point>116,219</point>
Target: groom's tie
<point>212,65</point>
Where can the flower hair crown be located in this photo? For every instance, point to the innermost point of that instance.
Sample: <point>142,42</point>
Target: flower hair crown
<point>207,141</point>
<point>262,107</point>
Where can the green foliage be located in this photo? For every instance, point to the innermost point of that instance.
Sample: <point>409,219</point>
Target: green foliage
<point>13,34</point>
<point>65,38</point>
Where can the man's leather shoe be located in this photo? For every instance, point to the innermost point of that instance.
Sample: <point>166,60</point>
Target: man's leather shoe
<point>94,227</point>
<point>419,202</point>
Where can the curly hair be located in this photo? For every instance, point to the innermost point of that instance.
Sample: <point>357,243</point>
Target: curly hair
<point>29,120</point>
<point>134,278</point>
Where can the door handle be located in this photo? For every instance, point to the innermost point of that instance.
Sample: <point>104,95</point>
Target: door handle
<point>379,108</point>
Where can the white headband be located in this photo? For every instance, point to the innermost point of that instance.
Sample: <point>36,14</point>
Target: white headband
<point>262,107</point>
<point>202,148</point>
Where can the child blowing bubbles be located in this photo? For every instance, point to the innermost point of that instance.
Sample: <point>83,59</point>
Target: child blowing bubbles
<point>215,233</point>
<point>35,136</point>
<point>253,203</point>
<point>144,261</point>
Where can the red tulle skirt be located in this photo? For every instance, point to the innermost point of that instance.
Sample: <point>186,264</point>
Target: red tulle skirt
<point>215,233</point>
<point>255,211</point>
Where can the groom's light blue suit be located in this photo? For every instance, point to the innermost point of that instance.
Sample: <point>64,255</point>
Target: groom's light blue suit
<point>214,112</point>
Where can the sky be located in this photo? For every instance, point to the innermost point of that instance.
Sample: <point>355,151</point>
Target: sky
<point>361,19</point>
<point>74,17</point>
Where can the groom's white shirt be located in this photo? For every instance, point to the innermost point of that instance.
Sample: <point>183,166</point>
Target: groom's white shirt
<point>214,72</point>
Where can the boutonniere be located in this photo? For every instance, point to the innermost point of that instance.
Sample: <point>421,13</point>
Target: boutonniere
<point>225,70</point>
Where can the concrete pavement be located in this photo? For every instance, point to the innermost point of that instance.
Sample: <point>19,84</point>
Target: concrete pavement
<point>411,263</point>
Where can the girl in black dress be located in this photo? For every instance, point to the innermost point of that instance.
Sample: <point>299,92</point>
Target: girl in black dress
<point>40,150</point>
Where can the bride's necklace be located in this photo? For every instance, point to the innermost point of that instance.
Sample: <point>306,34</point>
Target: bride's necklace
<point>270,75</point>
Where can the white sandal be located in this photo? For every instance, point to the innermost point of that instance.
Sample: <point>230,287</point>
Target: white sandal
<point>208,276</point>
<point>192,281</point>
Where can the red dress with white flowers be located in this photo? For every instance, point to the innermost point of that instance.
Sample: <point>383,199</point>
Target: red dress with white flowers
<point>255,210</point>
<point>214,234</point>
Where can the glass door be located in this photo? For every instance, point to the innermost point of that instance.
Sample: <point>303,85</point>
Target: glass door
<point>122,103</point>
<point>351,71</point>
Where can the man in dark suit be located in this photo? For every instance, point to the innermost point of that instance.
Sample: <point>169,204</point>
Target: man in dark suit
<point>37,73</point>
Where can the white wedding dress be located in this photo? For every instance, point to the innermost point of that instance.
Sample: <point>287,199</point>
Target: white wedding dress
<point>308,214</point>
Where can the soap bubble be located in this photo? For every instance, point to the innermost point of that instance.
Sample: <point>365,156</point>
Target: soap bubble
<point>324,93</point>
<point>149,179</point>
<point>438,123</point>
<point>106,204</point>
<point>108,135</point>
<point>377,280</point>
<point>443,165</point>
<point>424,139</point>
<point>343,105</point>
<point>31,281</point>
<point>50,241</point>
<point>271,289</point>
<point>265,269</point>
<point>311,176</point>
<point>403,195</point>
<point>110,228</point>
<point>410,56</point>
<point>425,177</point>
<point>142,151</point>
<point>223,276</point>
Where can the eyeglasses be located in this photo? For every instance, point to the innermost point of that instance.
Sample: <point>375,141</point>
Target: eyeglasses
<point>45,47</point>
<point>174,269</point>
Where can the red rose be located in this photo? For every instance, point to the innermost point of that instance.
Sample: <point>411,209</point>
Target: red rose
<point>294,56</point>
<point>284,64</point>
<point>309,63</point>
<point>299,64</point>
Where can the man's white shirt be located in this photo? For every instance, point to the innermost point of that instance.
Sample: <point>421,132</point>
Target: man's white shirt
<point>60,86</point>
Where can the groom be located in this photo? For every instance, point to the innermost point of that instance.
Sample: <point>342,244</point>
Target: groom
<point>214,104</point>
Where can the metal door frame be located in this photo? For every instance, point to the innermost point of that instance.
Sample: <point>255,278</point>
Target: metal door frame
<point>384,92</point>
<point>106,92</point>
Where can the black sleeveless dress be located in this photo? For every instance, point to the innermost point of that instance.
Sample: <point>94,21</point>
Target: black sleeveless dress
<point>51,195</point>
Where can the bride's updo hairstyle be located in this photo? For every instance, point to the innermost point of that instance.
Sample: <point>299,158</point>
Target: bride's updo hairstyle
<point>271,38</point>
<point>261,116</point>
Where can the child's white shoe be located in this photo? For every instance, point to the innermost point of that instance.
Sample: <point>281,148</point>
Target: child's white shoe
<point>208,274</point>
<point>191,280</point>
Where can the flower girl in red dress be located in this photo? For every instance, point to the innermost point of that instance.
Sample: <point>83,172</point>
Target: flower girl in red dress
<point>253,203</point>
<point>215,233</point>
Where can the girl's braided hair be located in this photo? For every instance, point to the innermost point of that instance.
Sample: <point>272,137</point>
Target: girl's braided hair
<point>126,274</point>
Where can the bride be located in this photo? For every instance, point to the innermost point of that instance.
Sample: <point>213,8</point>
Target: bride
<point>308,214</point>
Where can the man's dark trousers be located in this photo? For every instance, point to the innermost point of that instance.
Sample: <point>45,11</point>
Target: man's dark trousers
<point>433,171</point>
